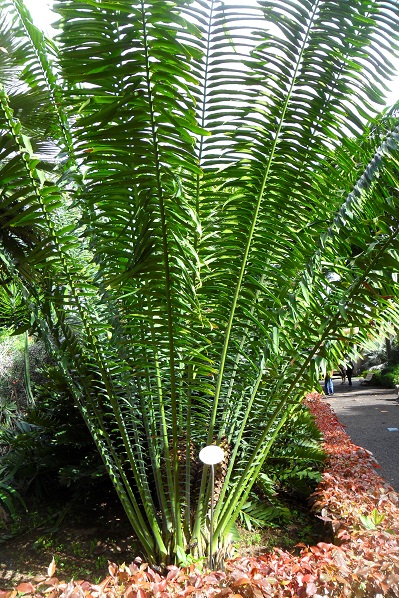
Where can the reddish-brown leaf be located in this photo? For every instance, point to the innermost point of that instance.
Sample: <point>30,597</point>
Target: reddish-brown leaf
<point>25,588</point>
<point>130,592</point>
<point>241,581</point>
<point>113,569</point>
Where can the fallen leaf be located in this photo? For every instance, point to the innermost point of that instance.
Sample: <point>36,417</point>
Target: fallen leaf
<point>25,588</point>
<point>51,568</point>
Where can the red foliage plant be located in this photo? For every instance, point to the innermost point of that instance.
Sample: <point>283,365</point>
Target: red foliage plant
<point>361,508</point>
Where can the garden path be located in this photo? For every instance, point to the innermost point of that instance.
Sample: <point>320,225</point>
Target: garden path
<point>371,419</point>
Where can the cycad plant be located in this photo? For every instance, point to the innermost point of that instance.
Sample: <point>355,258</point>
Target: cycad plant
<point>186,221</point>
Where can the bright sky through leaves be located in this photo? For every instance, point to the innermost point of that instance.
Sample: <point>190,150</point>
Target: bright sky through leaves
<point>43,17</point>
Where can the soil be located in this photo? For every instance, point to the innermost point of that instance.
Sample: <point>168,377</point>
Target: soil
<point>83,536</point>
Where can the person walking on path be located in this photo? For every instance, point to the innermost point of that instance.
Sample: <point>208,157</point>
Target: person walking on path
<point>328,383</point>
<point>342,371</point>
<point>349,370</point>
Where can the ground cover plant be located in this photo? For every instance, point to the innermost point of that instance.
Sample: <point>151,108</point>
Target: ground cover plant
<point>194,215</point>
<point>359,506</point>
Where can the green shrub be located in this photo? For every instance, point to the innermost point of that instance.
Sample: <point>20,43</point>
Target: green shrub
<point>298,456</point>
<point>293,469</point>
<point>13,369</point>
<point>49,444</point>
<point>387,377</point>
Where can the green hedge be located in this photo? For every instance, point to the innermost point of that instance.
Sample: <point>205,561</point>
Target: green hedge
<point>387,377</point>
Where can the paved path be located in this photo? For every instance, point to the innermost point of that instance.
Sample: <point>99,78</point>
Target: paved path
<point>367,414</point>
